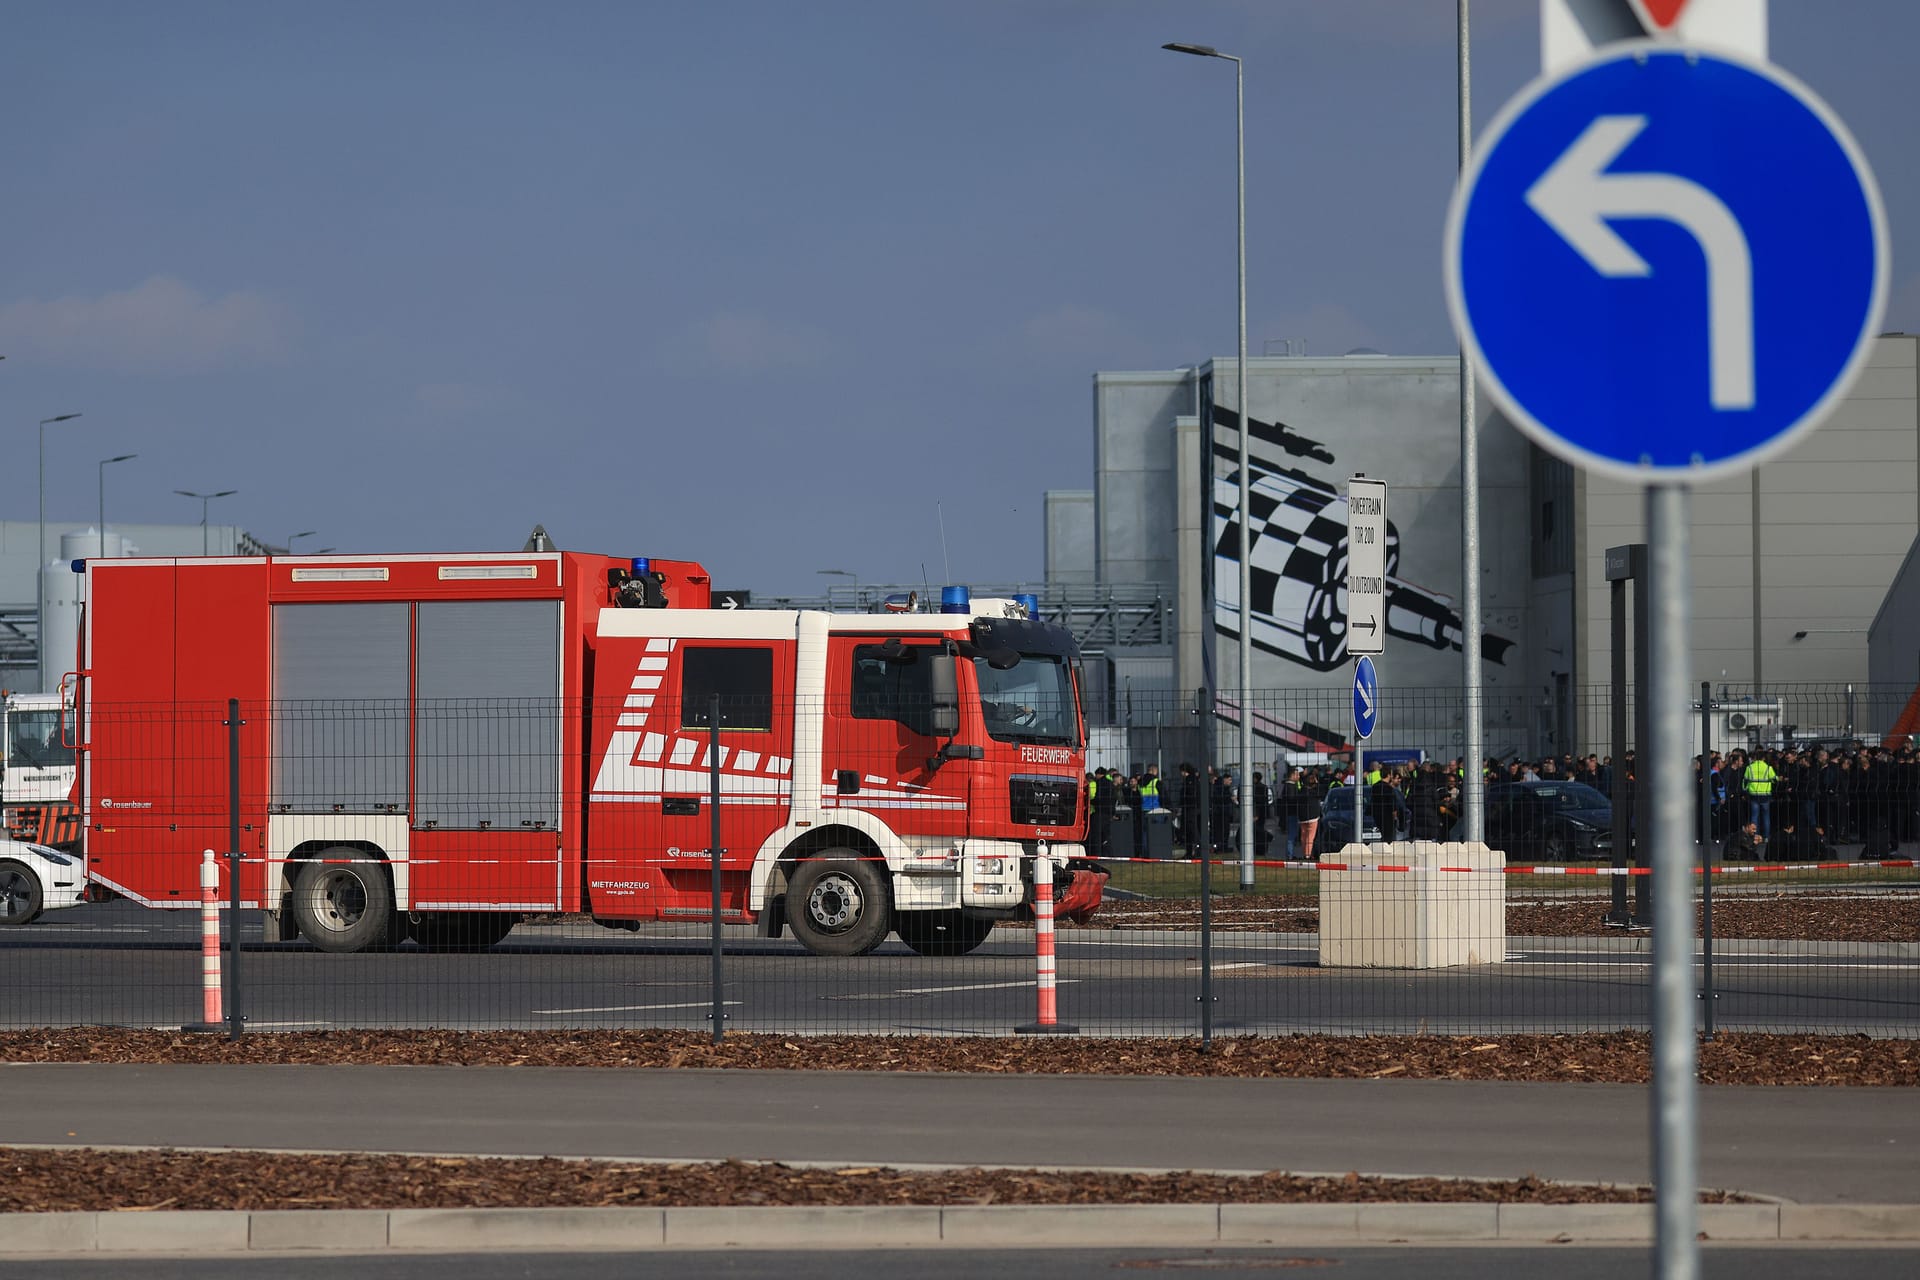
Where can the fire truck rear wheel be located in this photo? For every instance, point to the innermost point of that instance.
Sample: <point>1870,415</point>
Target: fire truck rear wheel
<point>20,893</point>
<point>942,933</point>
<point>839,903</point>
<point>343,901</point>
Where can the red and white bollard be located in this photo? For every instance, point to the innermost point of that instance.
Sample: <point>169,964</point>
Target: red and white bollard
<point>1048,1020</point>
<point>210,1019</point>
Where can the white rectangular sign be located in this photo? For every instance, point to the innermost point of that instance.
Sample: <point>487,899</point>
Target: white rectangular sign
<point>1366,566</point>
<point>1571,30</point>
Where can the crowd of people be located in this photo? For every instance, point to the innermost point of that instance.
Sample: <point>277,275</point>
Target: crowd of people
<point>1419,802</point>
<point>1787,804</point>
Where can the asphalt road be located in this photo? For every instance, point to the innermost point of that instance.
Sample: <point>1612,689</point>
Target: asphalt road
<point>1805,1144</point>
<point>118,964</point>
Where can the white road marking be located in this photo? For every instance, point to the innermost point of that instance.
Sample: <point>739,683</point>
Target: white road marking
<point>976,986</point>
<point>635,1008</point>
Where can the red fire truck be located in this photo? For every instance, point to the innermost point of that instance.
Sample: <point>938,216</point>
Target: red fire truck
<point>433,746</point>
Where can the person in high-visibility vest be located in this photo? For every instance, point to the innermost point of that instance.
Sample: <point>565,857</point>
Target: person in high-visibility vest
<point>1760,777</point>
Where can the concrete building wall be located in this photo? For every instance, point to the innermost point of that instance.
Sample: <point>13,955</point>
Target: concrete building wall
<point>1167,456</point>
<point>1396,420</point>
<point>1893,648</point>
<point>1134,471</point>
<point>1809,542</point>
<point>1070,537</point>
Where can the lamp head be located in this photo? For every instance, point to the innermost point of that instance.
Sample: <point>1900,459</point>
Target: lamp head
<point>1197,50</point>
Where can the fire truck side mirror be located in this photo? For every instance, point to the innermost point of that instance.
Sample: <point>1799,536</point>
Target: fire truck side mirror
<point>944,689</point>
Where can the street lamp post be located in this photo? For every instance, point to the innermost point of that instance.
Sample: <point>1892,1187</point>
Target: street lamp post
<point>1245,513</point>
<point>42,546</point>
<point>205,498</point>
<point>104,464</point>
<point>304,533</point>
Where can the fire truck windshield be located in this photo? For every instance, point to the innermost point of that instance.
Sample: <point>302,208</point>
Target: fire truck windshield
<point>1031,701</point>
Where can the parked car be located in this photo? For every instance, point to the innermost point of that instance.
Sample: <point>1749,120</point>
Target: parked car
<point>34,878</point>
<point>1548,821</point>
<point>1336,823</point>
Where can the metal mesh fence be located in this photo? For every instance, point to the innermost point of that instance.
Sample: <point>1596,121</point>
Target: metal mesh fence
<point>529,863</point>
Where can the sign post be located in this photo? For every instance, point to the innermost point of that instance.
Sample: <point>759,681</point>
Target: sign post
<point>1366,716</point>
<point>1366,620</point>
<point>1668,263</point>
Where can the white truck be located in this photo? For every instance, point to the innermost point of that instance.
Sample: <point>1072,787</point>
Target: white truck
<point>36,788</point>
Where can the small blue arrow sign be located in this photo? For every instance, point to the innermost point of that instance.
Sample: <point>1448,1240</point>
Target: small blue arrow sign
<point>1366,698</point>
<point>1667,261</point>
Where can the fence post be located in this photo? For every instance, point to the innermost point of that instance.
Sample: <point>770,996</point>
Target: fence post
<point>1706,853</point>
<point>719,1014</point>
<point>1203,707</point>
<point>209,946</point>
<point>234,1019</point>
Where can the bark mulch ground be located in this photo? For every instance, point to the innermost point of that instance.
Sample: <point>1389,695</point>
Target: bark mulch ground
<point>41,1181</point>
<point>1611,1057</point>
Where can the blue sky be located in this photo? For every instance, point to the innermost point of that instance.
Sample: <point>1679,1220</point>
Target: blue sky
<point>778,286</point>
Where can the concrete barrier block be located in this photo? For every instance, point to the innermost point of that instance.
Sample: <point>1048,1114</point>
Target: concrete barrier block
<point>1849,1222</point>
<point>848,1226</point>
<point>471,1229</point>
<point>1090,1224</point>
<point>172,1231</point>
<point>1576,1222</point>
<point>349,1229</point>
<point>1447,909</point>
<point>1288,1223</point>
<point>1428,1221</point>
<point>30,1233</point>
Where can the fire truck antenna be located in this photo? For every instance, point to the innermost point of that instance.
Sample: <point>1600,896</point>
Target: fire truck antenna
<point>946,566</point>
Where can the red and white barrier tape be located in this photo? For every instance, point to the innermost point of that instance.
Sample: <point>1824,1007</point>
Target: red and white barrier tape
<point>1536,870</point>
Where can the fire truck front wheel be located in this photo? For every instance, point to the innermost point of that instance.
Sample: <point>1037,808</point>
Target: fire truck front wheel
<point>839,903</point>
<point>342,901</point>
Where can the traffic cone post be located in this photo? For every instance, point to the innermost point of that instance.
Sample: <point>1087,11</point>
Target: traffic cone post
<point>1048,1021</point>
<point>210,1017</point>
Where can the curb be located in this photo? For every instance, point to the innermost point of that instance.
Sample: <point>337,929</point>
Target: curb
<point>908,1226</point>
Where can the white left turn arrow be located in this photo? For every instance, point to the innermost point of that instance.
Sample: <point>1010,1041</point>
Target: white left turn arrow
<point>1576,197</point>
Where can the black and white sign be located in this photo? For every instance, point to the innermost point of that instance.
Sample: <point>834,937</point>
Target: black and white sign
<point>1366,566</point>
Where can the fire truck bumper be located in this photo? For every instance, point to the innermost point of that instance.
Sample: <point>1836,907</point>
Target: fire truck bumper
<point>1078,896</point>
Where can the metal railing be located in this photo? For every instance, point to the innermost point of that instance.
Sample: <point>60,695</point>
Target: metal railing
<point>494,889</point>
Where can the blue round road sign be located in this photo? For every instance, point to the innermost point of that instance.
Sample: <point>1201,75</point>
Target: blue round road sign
<point>1366,698</point>
<point>1667,261</point>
